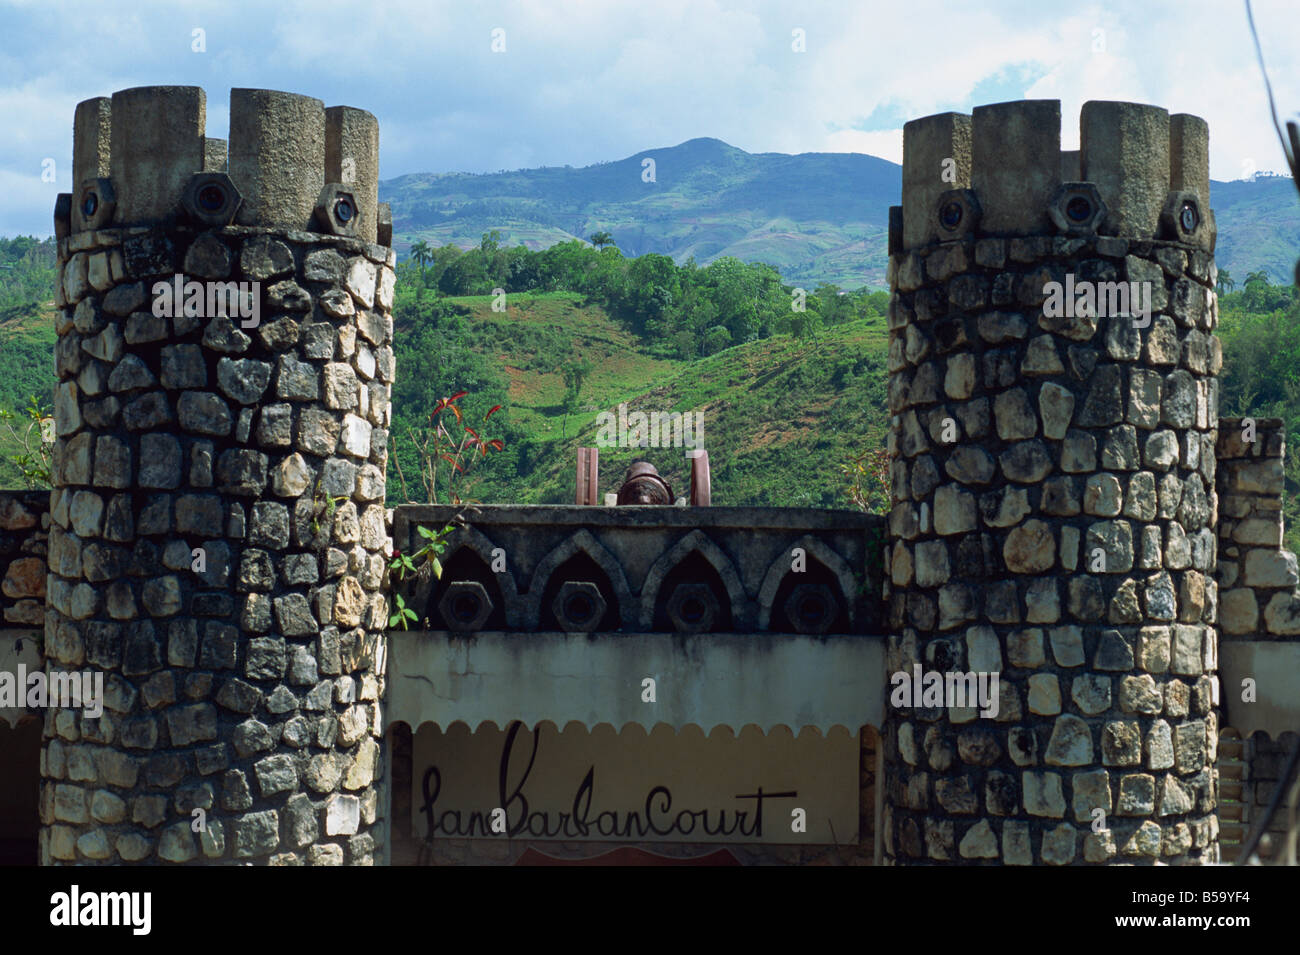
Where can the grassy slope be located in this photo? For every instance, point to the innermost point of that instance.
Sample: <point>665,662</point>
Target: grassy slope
<point>27,358</point>
<point>779,414</point>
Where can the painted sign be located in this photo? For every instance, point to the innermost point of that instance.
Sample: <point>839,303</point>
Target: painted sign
<point>662,786</point>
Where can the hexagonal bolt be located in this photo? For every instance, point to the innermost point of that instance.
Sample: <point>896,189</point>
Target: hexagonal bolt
<point>95,204</point>
<point>956,214</point>
<point>693,608</point>
<point>63,215</point>
<point>211,199</point>
<point>579,606</point>
<point>1181,218</point>
<point>1076,209</point>
<point>465,606</point>
<point>811,608</point>
<point>337,212</point>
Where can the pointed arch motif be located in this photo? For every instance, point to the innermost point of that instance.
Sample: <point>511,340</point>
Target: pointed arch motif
<point>698,541</point>
<point>474,540</point>
<point>583,542</point>
<point>828,558</point>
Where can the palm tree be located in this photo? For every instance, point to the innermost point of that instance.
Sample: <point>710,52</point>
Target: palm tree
<point>601,239</point>
<point>1259,276</point>
<point>421,254</point>
<point>1226,282</point>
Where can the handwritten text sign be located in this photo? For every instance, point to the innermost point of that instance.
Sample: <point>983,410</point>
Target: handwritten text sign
<point>634,786</point>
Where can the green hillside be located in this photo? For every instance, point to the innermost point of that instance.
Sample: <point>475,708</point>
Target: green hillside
<point>780,414</point>
<point>1259,227</point>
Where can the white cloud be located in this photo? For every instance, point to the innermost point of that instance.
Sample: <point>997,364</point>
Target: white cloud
<point>585,81</point>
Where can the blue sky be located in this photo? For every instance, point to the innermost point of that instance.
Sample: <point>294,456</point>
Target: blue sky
<point>582,82</point>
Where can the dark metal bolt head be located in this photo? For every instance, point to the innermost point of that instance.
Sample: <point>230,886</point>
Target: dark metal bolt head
<point>89,204</point>
<point>211,197</point>
<point>1188,217</point>
<point>950,215</point>
<point>1079,209</point>
<point>464,606</point>
<point>343,209</point>
<point>579,608</point>
<point>693,609</point>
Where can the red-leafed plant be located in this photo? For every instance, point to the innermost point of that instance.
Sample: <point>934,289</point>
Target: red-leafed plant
<point>867,480</point>
<point>436,445</point>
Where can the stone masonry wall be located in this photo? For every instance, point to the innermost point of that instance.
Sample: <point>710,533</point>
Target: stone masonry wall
<point>1257,577</point>
<point>24,527</point>
<point>218,537</point>
<point>1054,489</point>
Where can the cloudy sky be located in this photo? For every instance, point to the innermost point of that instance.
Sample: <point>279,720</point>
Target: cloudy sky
<point>584,81</point>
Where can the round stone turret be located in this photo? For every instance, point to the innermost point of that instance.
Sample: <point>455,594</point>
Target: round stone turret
<point>217,551</point>
<point>1054,409</point>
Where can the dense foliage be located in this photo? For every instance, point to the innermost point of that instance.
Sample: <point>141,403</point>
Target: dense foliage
<point>682,311</point>
<point>1259,326</point>
<point>793,394</point>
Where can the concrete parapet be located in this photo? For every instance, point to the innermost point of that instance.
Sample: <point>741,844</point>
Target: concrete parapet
<point>927,144</point>
<point>157,144</point>
<point>135,156</point>
<point>277,156</point>
<point>214,155</point>
<point>91,130</point>
<point>352,159</point>
<point>1124,149</point>
<point>1147,171</point>
<point>1016,164</point>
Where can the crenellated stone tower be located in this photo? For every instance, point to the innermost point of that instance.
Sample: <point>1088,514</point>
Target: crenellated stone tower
<point>218,534</point>
<point>1054,489</point>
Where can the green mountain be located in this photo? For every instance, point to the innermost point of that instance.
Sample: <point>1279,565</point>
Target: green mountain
<point>1259,227</point>
<point>816,217</point>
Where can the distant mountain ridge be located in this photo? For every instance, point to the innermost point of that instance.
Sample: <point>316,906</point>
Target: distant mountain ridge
<point>817,217</point>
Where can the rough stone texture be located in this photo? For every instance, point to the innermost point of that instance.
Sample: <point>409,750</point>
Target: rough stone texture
<point>1091,542</point>
<point>25,524</point>
<point>201,594</point>
<point>1256,578</point>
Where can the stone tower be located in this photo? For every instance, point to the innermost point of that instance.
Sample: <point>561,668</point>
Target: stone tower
<point>1054,489</point>
<point>218,535</point>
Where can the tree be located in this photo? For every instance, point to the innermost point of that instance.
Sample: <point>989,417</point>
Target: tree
<point>1226,283</point>
<point>465,275</point>
<point>601,239</point>
<point>575,372</point>
<point>716,339</point>
<point>421,254</point>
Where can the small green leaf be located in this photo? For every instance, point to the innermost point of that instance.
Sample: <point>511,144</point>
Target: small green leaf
<point>437,567</point>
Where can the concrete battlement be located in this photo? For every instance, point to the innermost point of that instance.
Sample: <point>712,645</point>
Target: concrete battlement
<point>141,157</point>
<point>1140,174</point>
